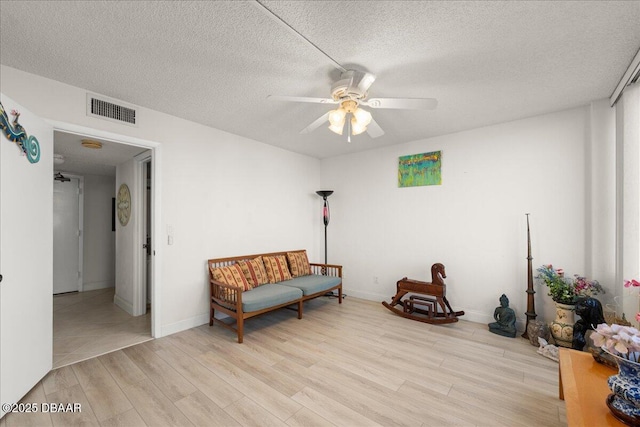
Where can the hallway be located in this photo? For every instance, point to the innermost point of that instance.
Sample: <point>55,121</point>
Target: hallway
<point>88,324</point>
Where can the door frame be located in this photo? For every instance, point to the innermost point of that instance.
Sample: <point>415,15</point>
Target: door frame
<point>80,223</point>
<point>140,266</point>
<point>156,250</point>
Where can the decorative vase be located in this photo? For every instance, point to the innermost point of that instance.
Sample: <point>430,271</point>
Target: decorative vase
<point>624,402</point>
<point>562,325</point>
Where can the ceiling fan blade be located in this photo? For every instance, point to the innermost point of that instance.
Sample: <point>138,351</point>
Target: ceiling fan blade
<point>302,99</point>
<point>316,124</point>
<point>374,130</point>
<point>366,81</point>
<point>402,103</point>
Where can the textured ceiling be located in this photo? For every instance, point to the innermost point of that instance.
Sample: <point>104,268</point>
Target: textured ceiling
<point>216,62</point>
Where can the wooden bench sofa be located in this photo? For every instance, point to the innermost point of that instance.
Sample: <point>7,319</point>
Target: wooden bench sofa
<point>241,289</point>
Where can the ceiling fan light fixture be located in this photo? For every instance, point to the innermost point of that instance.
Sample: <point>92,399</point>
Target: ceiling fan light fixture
<point>337,128</point>
<point>350,91</point>
<point>88,143</point>
<point>356,127</point>
<point>336,117</point>
<point>363,117</point>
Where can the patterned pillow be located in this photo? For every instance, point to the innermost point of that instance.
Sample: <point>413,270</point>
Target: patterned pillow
<point>231,275</point>
<point>277,270</point>
<point>299,263</point>
<point>254,271</point>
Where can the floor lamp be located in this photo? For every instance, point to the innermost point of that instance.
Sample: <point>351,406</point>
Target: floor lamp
<point>326,216</point>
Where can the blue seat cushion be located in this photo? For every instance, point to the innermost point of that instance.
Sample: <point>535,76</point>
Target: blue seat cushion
<point>313,283</point>
<point>268,295</point>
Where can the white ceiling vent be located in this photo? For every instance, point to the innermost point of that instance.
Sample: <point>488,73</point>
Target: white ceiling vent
<point>110,109</point>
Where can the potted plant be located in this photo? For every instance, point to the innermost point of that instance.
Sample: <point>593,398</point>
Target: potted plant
<point>565,292</point>
<point>561,289</point>
<point>584,287</point>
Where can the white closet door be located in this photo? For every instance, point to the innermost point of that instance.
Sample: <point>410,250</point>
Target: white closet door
<point>26,245</point>
<point>66,226</point>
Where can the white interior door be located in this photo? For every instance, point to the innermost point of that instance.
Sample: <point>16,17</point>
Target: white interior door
<point>147,227</point>
<point>26,259</point>
<point>143,240</point>
<point>66,236</point>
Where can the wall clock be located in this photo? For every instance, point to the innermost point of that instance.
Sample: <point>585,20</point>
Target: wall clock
<point>123,203</point>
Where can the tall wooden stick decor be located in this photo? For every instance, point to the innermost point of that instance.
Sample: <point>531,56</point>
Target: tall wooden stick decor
<point>531,304</point>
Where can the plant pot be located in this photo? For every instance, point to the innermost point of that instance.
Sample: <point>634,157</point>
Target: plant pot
<point>562,326</point>
<point>624,402</point>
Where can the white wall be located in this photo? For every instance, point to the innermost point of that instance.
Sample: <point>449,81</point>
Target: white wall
<point>628,239</point>
<point>474,223</point>
<point>99,240</point>
<point>600,179</point>
<point>231,196</point>
<point>125,242</point>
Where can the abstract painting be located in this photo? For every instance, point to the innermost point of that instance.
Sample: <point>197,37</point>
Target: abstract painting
<point>420,169</point>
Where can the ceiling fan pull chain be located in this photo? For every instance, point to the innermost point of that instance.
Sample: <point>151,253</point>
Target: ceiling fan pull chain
<point>349,129</point>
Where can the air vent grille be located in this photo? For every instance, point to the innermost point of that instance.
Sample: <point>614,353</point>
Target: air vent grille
<point>102,108</point>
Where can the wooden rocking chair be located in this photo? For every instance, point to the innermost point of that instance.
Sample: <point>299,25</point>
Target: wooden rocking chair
<point>434,308</point>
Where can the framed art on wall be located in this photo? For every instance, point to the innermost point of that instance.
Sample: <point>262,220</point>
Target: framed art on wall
<point>420,169</point>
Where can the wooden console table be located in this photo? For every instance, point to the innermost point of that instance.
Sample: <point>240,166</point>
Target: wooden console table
<point>583,387</point>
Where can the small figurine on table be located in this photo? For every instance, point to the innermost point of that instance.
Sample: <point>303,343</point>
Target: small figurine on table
<point>505,317</point>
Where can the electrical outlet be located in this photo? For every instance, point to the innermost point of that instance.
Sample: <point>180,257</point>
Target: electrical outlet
<point>375,279</point>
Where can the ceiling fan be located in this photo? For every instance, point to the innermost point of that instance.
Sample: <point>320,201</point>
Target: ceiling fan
<point>350,92</point>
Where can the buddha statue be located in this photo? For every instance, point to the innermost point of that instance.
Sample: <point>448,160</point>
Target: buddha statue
<point>505,317</point>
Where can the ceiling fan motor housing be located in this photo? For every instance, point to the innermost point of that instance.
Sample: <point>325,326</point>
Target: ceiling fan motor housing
<point>352,85</point>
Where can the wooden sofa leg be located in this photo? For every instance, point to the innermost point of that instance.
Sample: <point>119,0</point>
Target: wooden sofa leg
<point>240,328</point>
<point>299,309</point>
<point>212,314</point>
<point>340,295</point>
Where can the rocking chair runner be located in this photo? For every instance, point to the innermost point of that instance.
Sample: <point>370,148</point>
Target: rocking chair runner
<point>434,308</point>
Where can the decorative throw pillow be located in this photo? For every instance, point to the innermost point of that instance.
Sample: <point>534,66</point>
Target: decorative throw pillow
<point>254,271</point>
<point>217,275</point>
<point>299,263</point>
<point>231,275</point>
<point>276,267</point>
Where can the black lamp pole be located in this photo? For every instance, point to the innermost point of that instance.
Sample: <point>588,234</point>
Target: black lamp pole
<point>326,216</point>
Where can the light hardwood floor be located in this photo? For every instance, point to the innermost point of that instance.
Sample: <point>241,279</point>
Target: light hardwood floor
<point>355,364</point>
<point>88,324</point>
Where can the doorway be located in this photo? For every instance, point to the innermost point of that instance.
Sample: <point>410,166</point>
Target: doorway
<point>95,306</point>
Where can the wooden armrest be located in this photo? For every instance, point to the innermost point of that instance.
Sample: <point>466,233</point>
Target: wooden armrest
<point>224,293</point>
<point>326,269</point>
